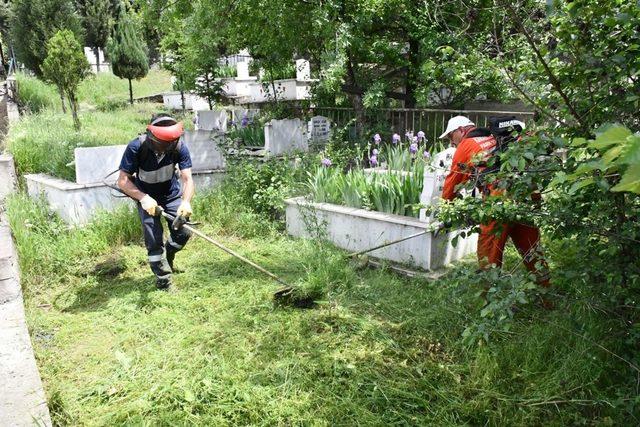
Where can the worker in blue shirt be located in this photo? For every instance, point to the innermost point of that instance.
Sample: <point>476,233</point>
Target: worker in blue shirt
<point>148,174</point>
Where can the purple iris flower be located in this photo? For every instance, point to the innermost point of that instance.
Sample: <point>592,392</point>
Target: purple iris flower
<point>420,135</point>
<point>409,135</point>
<point>245,121</point>
<point>426,155</point>
<point>326,162</point>
<point>413,148</point>
<point>377,138</point>
<point>415,139</point>
<point>373,160</point>
<point>396,138</point>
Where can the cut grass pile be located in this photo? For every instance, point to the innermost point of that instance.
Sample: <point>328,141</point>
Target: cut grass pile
<point>104,91</point>
<point>381,350</point>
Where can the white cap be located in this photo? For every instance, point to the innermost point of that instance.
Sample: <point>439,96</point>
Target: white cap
<point>455,123</point>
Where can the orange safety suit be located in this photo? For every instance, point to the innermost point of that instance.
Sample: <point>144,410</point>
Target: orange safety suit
<point>493,235</point>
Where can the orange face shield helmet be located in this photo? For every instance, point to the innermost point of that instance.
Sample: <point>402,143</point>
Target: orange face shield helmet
<point>164,132</point>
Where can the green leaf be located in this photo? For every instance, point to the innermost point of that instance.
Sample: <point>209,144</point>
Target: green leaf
<point>581,184</point>
<point>630,180</point>
<point>615,134</point>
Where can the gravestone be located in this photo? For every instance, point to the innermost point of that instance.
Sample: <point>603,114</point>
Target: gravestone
<point>434,176</point>
<point>303,70</point>
<point>93,164</point>
<point>204,150</point>
<point>242,70</point>
<point>212,120</point>
<point>284,136</point>
<point>319,130</point>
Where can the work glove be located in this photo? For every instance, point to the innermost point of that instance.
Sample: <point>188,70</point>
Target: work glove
<point>149,204</point>
<point>182,215</point>
<point>184,209</point>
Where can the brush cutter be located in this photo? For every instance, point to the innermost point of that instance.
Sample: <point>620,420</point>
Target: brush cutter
<point>284,293</point>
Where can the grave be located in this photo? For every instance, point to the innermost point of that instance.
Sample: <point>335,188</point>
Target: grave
<point>359,229</point>
<point>212,120</point>
<point>284,136</point>
<point>319,131</point>
<point>76,202</point>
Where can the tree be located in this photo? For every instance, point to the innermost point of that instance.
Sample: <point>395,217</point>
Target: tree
<point>127,51</point>
<point>5,17</point>
<point>66,66</point>
<point>97,22</point>
<point>34,22</point>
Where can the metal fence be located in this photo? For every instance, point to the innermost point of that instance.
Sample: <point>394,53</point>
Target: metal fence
<point>400,120</point>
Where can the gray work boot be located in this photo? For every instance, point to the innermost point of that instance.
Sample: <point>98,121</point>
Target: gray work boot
<point>163,283</point>
<point>162,270</point>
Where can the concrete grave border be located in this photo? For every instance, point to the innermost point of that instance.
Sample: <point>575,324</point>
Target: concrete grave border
<point>22,397</point>
<point>358,229</point>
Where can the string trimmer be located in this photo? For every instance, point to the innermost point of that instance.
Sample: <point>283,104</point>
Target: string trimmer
<point>286,293</point>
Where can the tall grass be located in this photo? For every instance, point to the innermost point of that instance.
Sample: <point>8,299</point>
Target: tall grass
<point>34,95</point>
<point>102,91</point>
<point>44,143</point>
<point>384,350</point>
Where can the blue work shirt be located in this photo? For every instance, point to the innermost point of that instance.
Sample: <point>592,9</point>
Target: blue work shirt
<point>157,175</point>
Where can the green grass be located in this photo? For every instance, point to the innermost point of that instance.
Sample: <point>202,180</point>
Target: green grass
<point>381,350</point>
<point>44,142</point>
<point>103,91</point>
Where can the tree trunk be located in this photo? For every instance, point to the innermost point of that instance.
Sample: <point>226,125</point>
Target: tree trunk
<point>206,80</point>
<point>411,81</point>
<point>4,68</point>
<point>64,107</point>
<point>96,52</point>
<point>356,98</point>
<point>73,104</point>
<point>130,93</point>
<point>273,86</point>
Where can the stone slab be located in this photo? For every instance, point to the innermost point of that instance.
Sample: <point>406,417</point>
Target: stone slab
<point>285,136</point>
<point>358,229</point>
<point>7,176</point>
<point>93,164</point>
<point>204,149</point>
<point>78,203</point>
<point>319,130</point>
<point>212,120</point>
<point>22,398</point>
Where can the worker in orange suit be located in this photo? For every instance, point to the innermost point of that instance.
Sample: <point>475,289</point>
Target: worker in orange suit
<point>475,145</point>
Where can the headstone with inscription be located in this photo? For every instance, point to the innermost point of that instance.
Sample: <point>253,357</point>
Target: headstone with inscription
<point>319,130</point>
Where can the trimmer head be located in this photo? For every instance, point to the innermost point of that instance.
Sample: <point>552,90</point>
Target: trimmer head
<point>292,297</point>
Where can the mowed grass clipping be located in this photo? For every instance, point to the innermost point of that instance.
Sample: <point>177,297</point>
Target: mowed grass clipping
<point>380,350</point>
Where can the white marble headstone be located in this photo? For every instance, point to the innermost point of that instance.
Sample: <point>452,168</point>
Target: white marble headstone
<point>303,70</point>
<point>204,150</point>
<point>212,120</point>
<point>93,164</point>
<point>284,136</point>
